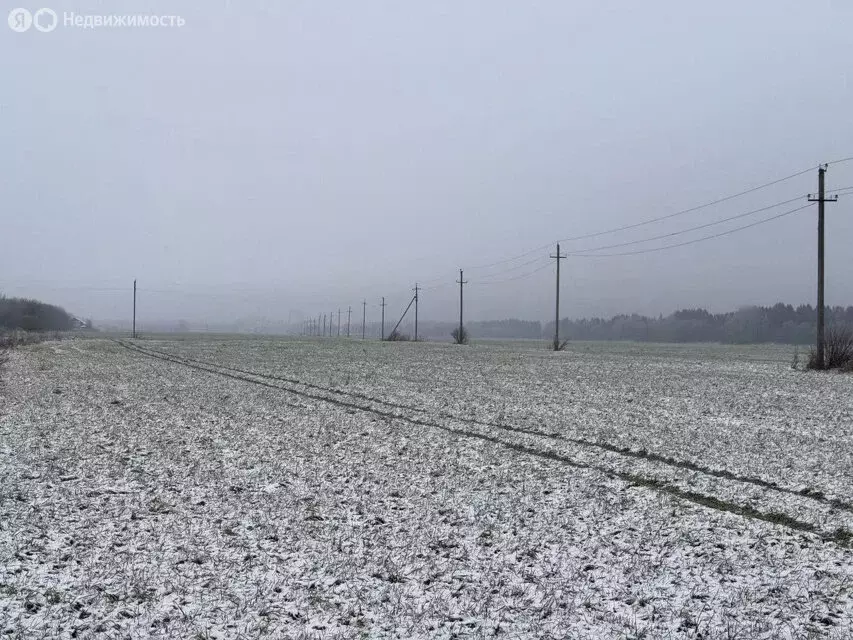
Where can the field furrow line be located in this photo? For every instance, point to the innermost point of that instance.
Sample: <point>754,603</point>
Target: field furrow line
<point>815,523</point>
<point>810,493</point>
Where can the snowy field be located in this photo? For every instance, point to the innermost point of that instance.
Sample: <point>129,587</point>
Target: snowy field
<point>240,488</point>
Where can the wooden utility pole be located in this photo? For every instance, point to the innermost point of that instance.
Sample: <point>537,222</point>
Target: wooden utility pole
<point>417,288</point>
<point>461,328</point>
<point>820,199</point>
<point>383,317</point>
<point>134,308</point>
<point>339,322</point>
<point>349,313</point>
<point>324,325</point>
<point>363,317</point>
<point>559,256</point>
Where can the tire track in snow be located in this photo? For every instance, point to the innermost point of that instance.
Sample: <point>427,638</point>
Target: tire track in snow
<point>840,537</point>
<point>809,493</point>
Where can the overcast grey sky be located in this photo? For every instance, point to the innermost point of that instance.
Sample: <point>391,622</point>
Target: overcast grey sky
<point>306,154</point>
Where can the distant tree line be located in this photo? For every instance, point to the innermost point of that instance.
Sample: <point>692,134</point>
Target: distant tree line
<point>781,323</point>
<point>32,315</point>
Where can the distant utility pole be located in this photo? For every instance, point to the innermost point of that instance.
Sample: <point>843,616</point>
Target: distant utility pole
<point>820,199</point>
<point>324,325</point>
<point>331,322</point>
<point>317,329</point>
<point>134,308</point>
<point>417,288</point>
<point>383,317</point>
<point>363,317</point>
<point>461,282</point>
<point>558,257</point>
<point>339,322</point>
<point>349,313</point>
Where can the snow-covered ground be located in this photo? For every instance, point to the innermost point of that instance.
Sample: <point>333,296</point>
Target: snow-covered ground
<point>242,488</point>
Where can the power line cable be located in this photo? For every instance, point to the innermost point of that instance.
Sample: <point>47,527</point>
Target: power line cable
<point>657,219</point>
<point>519,277</point>
<point>683,231</point>
<point>514,268</point>
<point>702,239</point>
<point>639,224</point>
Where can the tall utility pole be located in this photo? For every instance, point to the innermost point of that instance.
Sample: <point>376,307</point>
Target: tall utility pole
<point>331,322</point>
<point>349,313</point>
<point>417,288</point>
<point>317,331</point>
<point>324,325</point>
<point>820,199</point>
<point>461,282</point>
<point>339,322</point>
<point>363,317</point>
<point>558,257</point>
<point>134,308</point>
<point>383,317</point>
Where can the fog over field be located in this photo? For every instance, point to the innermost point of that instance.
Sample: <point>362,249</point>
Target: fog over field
<point>275,159</point>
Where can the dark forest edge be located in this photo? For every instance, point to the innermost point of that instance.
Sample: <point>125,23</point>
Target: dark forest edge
<point>781,323</point>
<point>26,321</point>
